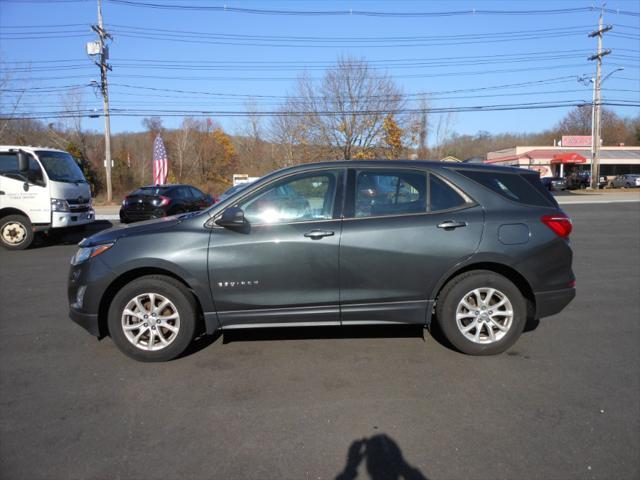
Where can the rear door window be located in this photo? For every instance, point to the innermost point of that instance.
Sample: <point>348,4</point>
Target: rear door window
<point>390,192</point>
<point>513,186</point>
<point>443,196</point>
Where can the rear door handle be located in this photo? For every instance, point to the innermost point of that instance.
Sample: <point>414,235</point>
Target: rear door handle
<point>318,234</point>
<point>450,224</point>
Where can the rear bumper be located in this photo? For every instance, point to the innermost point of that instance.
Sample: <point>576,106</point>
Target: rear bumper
<point>128,216</point>
<point>550,303</point>
<point>88,321</point>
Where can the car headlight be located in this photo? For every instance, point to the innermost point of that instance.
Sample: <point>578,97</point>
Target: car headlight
<point>59,205</point>
<point>85,253</point>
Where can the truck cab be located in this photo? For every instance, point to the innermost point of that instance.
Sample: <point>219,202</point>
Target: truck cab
<point>40,189</point>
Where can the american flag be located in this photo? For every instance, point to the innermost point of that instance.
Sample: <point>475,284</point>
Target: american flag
<point>160,162</point>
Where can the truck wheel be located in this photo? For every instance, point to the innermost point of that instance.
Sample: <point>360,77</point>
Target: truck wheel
<point>15,232</point>
<point>153,318</point>
<point>481,312</point>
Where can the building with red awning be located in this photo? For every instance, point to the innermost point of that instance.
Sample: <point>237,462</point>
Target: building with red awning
<point>559,161</point>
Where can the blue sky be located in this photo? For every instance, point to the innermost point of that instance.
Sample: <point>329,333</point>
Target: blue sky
<point>549,49</point>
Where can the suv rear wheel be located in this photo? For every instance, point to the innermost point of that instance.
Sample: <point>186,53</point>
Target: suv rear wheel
<point>153,318</point>
<point>481,312</point>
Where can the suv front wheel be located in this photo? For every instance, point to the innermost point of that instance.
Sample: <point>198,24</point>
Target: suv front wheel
<point>153,318</point>
<point>481,312</point>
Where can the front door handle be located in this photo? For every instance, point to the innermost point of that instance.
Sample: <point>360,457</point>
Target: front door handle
<point>451,224</point>
<point>318,234</point>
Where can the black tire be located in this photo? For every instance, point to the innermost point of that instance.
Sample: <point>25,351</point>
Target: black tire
<point>16,227</point>
<point>171,289</point>
<point>453,293</point>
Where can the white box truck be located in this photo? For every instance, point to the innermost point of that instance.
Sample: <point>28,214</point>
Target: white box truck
<point>40,189</point>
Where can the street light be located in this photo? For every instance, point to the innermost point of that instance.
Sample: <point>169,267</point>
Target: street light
<point>595,160</point>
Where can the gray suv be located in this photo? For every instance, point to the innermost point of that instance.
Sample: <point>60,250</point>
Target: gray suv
<point>477,249</point>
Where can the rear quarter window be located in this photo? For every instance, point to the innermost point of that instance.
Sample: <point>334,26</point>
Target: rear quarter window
<point>513,186</point>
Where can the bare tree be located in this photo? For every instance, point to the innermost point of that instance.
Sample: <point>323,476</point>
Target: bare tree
<point>578,122</point>
<point>418,130</point>
<point>10,100</point>
<point>184,144</point>
<point>347,109</point>
<point>251,143</point>
<point>442,132</point>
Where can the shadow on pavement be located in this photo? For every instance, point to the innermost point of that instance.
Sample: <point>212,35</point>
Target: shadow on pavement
<point>322,333</point>
<point>200,343</point>
<point>69,236</point>
<point>383,459</point>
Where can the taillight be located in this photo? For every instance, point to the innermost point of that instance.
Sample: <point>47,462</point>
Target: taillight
<point>164,201</point>
<point>560,224</point>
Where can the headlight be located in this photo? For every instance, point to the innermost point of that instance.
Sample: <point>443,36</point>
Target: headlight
<point>59,205</point>
<point>85,253</point>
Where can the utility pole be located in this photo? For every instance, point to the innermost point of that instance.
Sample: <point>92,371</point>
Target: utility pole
<point>596,118</point>
<point>103,52</point>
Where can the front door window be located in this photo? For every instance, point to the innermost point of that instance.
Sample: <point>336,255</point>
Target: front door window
<point>303,198</point>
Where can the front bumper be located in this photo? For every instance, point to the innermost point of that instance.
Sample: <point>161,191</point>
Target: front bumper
<point>88,321</point>
<point>552,302</point>
<point>87,283</point>
<point>71,219</point>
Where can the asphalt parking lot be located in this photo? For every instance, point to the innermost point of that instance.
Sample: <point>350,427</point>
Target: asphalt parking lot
<point>330,403</point>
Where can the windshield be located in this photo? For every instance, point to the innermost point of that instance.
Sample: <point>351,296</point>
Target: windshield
<point>60,166</point>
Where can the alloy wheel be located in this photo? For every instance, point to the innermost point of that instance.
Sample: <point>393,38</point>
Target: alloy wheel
<point>484,315</point>
<point>150,321</point>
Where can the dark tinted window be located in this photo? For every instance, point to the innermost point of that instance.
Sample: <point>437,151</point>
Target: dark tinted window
<point>390,192</point>
<point>197,194</point>
<point>442,196</point>
<point>182,193</point>
<point>534,180</point>
<point>510,185</point>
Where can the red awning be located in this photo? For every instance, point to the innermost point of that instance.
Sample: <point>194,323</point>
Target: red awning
<point>568,158</point>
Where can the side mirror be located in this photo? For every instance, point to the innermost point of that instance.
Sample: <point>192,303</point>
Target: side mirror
<point>232,217</point>
<point>23,162</point>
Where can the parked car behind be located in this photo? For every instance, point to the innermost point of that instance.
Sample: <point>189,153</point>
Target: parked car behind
<point>582,180</point>
<point>162,201</point>
<point>628,180</point>
<point>554,183</point>
<point>478,249</point>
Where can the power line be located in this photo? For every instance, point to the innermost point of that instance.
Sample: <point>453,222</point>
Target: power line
<point>366,13</point>
<point>545,81</point>
<point>264,66</point>
<point>227,113</point>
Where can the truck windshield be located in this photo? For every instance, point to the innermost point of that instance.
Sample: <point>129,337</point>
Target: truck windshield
<point>60,166</point>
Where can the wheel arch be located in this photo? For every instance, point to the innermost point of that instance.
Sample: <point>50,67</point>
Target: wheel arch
<point>5,212</point>
<point>129,276</point>
<point>500,268</point>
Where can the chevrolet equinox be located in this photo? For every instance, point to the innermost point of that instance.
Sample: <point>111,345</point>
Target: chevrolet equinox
<point>478,249</point>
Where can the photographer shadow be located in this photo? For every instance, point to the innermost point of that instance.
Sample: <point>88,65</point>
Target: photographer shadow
<point>383,459</point>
